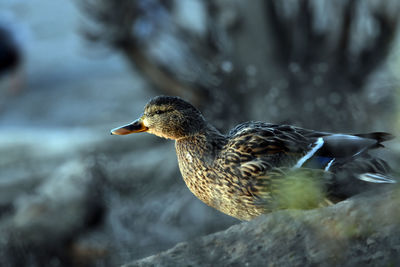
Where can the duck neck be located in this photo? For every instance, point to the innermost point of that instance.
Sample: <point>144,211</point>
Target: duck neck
<point>203,146</point>
<point>196,157</point>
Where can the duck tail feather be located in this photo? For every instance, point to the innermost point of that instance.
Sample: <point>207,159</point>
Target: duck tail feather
<point>378,136</point>
<point>376,178</point>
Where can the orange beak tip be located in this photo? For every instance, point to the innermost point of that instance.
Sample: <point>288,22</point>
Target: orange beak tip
<point>119,131</point>
<point>134,127</point>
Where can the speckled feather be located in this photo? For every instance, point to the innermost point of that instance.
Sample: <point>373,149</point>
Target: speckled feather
<point>228,174</point>
<point>242,173</point>
<point>237,173</point>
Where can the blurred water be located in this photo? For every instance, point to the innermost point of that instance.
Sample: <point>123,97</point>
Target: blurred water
<point>66,81</point>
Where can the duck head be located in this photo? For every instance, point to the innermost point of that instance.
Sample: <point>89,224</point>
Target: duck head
<point>168,117</point>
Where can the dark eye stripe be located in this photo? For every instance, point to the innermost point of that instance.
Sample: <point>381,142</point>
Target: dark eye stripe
<point>162,111</point>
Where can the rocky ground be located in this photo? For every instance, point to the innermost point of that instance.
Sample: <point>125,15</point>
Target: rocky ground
<point>92,200</point>
<point>346,234</point>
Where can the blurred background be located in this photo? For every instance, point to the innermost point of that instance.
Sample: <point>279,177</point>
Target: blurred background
<point>72,195</point>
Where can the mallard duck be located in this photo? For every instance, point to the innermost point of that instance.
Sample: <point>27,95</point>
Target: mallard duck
<point>245,173</point>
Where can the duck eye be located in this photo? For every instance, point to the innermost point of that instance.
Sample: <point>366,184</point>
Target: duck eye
<point>158,112</point>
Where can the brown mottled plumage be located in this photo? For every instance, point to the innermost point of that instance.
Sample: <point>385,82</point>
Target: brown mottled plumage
<point>248,171</point>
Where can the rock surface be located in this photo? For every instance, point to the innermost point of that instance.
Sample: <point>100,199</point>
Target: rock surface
<point>86,198</point>
<point>362,231</point>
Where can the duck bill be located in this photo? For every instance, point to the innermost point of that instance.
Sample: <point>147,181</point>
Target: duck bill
<point>135,127</point>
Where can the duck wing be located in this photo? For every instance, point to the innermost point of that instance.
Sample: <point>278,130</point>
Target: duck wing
<point>256,147</point>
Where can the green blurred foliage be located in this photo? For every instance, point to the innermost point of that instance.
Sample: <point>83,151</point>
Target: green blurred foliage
<point>301,190</point>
